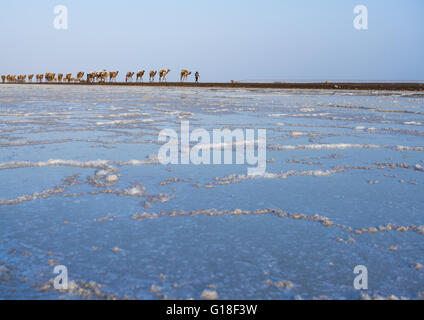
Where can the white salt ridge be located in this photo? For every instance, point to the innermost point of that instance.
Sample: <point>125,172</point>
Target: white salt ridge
<point>413,123</point>
<point>57,162</point>
<point>28,143</point>
<point>126,114</point>
<point>112,178</point>
<point>234,178</point>
<point>418,167</point>
<point>106,165</point>
<point>34,114</point>
<point>101,173</point>
<point>136,190</point>
<point>298,114</point>
<point>344,146</point>
<point>229,145</point>
<point>125,121</point>
<point>42,194</point>
<point>298,134</point>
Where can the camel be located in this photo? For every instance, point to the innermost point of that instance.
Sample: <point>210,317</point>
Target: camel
<point>39,77</point>
<point>68,77</point>
<point>80,75</point>
<point>91,76</point>
<point>3,78</point>
<point>113,75</point>
<point>165,74</point>
<point>162,74</point>
<point>129,76</point>
<point>59,77</point>
<point>161,71</point>
<point>30,76</point>
<point>105,75</point>
<point>140,74</point>
<point>49,76</point>
<point>101,76</point>
<point>152,76</point>
<point>184,74</point>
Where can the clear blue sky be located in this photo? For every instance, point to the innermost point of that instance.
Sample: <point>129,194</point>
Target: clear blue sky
<point>222,39</point>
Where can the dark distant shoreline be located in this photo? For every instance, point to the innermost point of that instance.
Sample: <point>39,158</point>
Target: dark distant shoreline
<point>244,85</point>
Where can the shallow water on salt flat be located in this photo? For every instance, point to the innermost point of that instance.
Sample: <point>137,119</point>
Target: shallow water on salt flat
<point>354,158</point>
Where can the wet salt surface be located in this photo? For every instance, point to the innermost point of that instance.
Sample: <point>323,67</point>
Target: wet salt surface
<point>80,186</point>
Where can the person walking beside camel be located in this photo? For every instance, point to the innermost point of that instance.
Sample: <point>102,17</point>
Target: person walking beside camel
<point>197,75</point>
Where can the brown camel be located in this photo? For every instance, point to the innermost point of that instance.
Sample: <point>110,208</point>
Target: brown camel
<point>162,74</point>
<point>113,75</point>
<point>91,77</point>
<point>49,76</point>
<point>102,75</point>
<point>80,75</point>
<point>184,74</point>
<point>140,74</point>
<point>152,76</point>
<point>129,76</point>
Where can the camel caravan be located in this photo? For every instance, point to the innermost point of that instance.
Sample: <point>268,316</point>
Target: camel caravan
<point>101,76</point>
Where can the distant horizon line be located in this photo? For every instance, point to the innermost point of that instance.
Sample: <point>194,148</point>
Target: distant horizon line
<point>324,80</point>
<point>400,86</point>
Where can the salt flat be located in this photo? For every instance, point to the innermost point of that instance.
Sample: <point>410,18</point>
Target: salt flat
<point>81,187</point>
